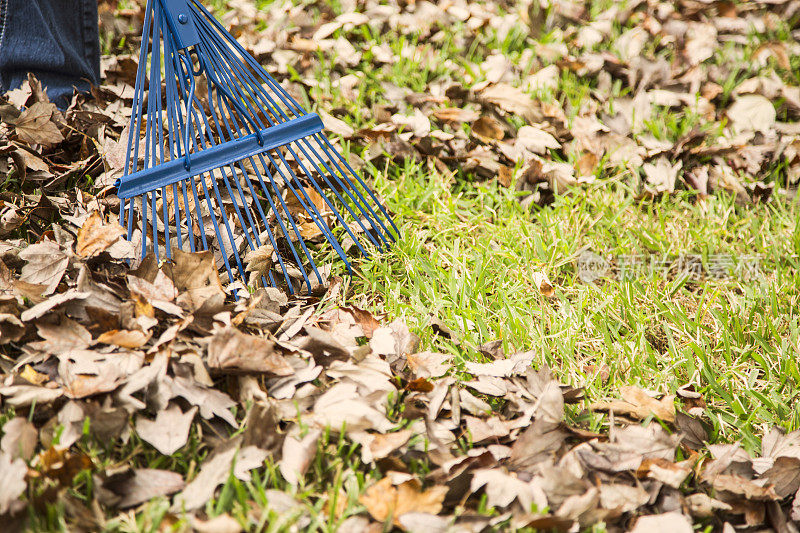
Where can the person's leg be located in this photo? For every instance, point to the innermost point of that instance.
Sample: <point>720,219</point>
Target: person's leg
<point>57,40</point>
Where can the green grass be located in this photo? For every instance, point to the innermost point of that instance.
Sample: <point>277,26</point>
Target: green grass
<point>468,253</point>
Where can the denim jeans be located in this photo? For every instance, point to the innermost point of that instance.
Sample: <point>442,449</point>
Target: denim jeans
<point>57,40</point>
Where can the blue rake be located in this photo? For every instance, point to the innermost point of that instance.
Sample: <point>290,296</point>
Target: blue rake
<point>221,157</point>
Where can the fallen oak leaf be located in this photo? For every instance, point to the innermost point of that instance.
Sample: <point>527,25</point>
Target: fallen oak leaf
<point>19,438</point>
<point>672,522</point>
<point>543,283</point>
<point>667,472</point>
<point>259,261</point>
<point>512,100</point>
<point>195,277</point>
<point>40,309</point>
<point>223,523</point>
<point>11,328</point>
<point>429,364</point>
<point>488,128</point>
<point>454,114</point>
<point>67,335</point>
<point>60,464</point>
<point>215,470</point>
<point>536,140</point>
<point>25,395</point>
<point>502,488</point>
<point>741,486</point>
<point>297,453</point>
<point>46,263</point>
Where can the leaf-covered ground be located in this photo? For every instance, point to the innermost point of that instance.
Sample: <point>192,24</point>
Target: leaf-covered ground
<point>588,324</point>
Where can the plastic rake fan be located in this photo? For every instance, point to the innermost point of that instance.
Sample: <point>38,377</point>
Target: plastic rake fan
<point>221,157</point>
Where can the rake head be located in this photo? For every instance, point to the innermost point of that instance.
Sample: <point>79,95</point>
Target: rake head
<point>220,157</point>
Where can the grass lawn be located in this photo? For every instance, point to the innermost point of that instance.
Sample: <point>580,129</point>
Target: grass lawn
<point>468,257</point>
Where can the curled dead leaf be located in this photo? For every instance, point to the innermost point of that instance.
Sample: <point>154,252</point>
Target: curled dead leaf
<point>95,236</point>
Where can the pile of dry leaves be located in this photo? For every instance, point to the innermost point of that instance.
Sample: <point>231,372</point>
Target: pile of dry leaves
<point>159,360</point>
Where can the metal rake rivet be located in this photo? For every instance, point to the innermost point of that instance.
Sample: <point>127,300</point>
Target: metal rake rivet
<point>182,18</point>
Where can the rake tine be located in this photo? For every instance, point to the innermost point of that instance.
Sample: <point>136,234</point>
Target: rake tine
<point>317,218</point>
<point>273,207</point>
<point>175,125</point>
<point>308,205</point>
<point>244,128</point>
<point>290,218</point>
<point>338,197</point>
<point>287,212</point>
<point>336,155</point>
<point>349,186</point>
<point>364,213</point>
<point>198,209</point>
<point>208,22</point>
<point>220,240</point>
<point>321,193</point>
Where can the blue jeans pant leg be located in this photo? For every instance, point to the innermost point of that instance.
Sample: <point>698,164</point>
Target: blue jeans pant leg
<point>57,40</point>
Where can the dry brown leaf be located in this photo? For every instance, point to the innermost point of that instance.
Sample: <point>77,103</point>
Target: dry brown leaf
<point>488,127</point>
<point>741,486</point>
<point>260,260</point>
<point>60,464</point>
<point>46,264</point>
<point>752,112</point>
<point>543,283</point>
<point>536,140</point>
<point>223,523</point>
<point>169,432</point>
<point>384,500</point>
<point>672,522</point>
<point>134,487</point>
<point>454,114</point>
<point>298,451</point>
<point>505,176</point>
<point>513,100</point>
<point>661,176</point>
<point>64,336</point>
<point>232,351</point>
<point>638,404</point>
<point>19,439</point>
<point>35,127</point>
<point>429,364</point>
<point>667,472</point>
<point>124,338</point>
<point>12,483</point>
<point>214,471</point>
<point>195,277</point>
<point>95,236</point>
